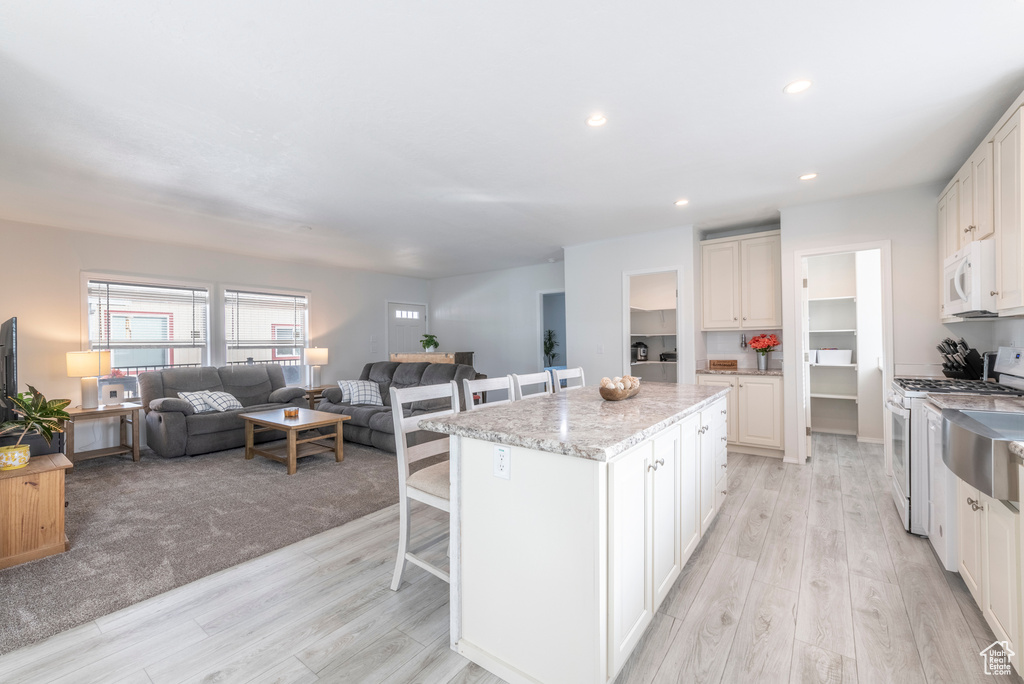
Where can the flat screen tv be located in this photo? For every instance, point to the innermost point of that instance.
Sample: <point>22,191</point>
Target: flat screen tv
<point>8,366</point>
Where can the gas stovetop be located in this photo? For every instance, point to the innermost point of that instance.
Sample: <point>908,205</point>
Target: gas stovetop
<point>952,386</point>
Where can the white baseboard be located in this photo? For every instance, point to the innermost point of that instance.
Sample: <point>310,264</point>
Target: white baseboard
<point>756,451</point>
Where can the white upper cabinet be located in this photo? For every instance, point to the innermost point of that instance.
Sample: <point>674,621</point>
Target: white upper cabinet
<point>741,282</point>
<point>982,225</point>
<point>1006,160</point>
<point>720,266</point>
<point>761,282</point>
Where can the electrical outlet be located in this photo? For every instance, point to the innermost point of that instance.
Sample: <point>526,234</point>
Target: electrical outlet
<point>503,462</point>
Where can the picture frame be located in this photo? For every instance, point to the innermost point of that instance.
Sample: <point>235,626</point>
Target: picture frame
<point>112,395</point>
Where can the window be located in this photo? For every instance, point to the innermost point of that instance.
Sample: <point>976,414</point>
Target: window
<point>147,326</point>
<point>257,323</point>
<point>406,314</point>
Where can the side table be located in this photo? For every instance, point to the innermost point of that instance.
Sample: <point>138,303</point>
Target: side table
<point>314,393</point>
<point>129,415</point>
<point>32,515</point>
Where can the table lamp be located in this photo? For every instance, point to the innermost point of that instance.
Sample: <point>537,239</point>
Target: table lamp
<point>315,357</point>
<point>89,365</point>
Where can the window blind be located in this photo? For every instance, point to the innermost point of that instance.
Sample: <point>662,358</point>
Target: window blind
<point>140,316</point>
<point>259,320</point>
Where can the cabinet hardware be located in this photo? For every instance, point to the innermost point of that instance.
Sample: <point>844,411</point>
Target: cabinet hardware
<point>723,413</point>
<point>734,318</point>
<point>653,466</point>
<point>993,293</point>
<point>976,507</point>
<point>724,464</point>
<point>660,461</point>
<point>741,385</point>
<point>744,318</point>
<point>724,439</point>
<point>971,502</point>
<point>723,492</point>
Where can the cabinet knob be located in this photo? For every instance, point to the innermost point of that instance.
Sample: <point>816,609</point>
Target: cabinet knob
<point>976,507</point>
<point>723,492</point>
<point>653,466</point>
<point>971,502</point>
<point>724,465</point>
<point>741,385</point>
<point>968,229</point>
<point>734,318</point>
<point>660,461</point>
<point>744,318</point>
<point>723,439</point>
<point>723,412</point>
<point>993,293</point>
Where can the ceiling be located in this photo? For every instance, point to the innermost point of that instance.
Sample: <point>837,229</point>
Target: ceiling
<point>432,139</point>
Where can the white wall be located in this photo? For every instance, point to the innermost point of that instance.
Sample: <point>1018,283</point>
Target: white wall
<point>43,289</point>
<point>905,217</point>
<point>497,315</point>
<point>594,298</point>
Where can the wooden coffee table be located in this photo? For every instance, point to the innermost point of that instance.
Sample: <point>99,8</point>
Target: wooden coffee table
<point>295,448</point>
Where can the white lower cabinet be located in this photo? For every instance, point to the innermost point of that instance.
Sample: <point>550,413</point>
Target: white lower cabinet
<point>755,417</point>
<point>990,561</point>
<point>1000,572</point>
<point>661,499</point>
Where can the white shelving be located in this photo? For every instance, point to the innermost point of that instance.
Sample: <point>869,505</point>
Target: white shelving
<point>645,363</point>
<point>832,299</point>
<point>836,330</point>
<point>845,397</point>
<point>653,334</point>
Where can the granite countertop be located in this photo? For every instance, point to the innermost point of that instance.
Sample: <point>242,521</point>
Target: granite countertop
<point>973,402</point>
<point>739,371</point>
<point>579,422</point>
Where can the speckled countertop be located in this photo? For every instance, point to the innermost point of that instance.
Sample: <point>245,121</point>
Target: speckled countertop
<point>973,402</point>
<point>579,422</point>
<point>739,371</point>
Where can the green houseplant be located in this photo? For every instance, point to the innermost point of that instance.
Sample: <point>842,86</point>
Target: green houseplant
<point>429,342</point>
<point>39,416</point>
<point>550,344</point>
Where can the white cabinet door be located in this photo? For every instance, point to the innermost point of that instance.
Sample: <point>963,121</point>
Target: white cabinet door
<point>731,400</point>
<point>760,411</point>
<point>666,552</point>
<point>720,294</point>
<point>966,220</point>
<point>982,196</point>
<point>708,476</point>
<point>761,282</point>
<point>969,533</point>
<point>1006,181</point>
<point>1000,577</point>
<point>689,485</point>
<point>629,577</point>
<point>953,219</point>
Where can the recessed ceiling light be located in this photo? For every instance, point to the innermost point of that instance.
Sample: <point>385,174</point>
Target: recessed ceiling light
<point>797,87</point>
<point>809,176</point>
<point>682,202</point>
<point>596,120</point>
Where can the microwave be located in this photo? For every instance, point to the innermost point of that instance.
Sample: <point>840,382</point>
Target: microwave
<point>968,281</point>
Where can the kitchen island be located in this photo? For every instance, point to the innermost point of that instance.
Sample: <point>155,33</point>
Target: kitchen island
<point>571,518</point>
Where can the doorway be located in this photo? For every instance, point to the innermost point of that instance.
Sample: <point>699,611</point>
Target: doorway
<point>553,343</point>
<point>652,329</point>
<point>846,343</point>
<point>407,323</point>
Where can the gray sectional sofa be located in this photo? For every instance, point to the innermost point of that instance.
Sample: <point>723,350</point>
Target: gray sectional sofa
<point>374,425</point>
<point>173,428</point>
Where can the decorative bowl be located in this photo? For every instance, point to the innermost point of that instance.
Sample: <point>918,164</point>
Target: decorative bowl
<point>609,394</point>
<point>13,457</point>
<point>291,413</point>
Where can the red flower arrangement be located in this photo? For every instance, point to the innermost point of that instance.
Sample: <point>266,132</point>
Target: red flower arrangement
<point>764,343</point>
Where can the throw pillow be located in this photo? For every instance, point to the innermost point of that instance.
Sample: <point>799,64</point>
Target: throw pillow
<point>362,392</point>
<point>198,401</point>
<point>222,401</point>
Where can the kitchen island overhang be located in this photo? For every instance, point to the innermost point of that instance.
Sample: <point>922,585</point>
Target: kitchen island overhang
<point>559,561</point>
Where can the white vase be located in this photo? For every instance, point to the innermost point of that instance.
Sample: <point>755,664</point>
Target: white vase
<point>431,349</point>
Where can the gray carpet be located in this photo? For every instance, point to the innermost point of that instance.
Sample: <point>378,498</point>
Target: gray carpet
<point>140,529</point>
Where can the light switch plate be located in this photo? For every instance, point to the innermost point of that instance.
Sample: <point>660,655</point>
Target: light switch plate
<point>503,462</point>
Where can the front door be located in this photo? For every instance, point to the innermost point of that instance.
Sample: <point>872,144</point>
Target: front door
<point>407,324</point>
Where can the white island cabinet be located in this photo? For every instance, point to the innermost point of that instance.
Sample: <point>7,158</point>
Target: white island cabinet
<point>557,570</point>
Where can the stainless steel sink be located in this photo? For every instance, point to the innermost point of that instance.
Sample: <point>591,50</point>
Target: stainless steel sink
<point>976,447</point>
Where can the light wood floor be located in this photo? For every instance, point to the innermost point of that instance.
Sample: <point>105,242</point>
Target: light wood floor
<point>806,576</point>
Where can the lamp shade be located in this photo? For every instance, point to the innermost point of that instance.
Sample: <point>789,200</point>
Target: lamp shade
<point>87,364</point>
<point>315,356</point>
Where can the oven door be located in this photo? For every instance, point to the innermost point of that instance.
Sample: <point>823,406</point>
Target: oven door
<point>900,458</point>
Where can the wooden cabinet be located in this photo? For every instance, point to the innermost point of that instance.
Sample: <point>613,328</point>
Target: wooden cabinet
<point>720,291</point>
<point>969,532</point>
<point>1000,571</point>
<point>755,410</point>
<point>741,282</point>
<point>1007,179</point>
<point>760,411</point>
<point>661,499</point>
<point>32,510</point>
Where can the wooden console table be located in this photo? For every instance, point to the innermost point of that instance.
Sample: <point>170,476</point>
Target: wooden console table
<point>32,514</point>
<point>129,415</point>
<point>465,358</point>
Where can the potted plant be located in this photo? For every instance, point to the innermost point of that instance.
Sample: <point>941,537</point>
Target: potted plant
<point>429,343</point>
<point>763,344</point>
<point>550,344</point>
<point>38,417</point>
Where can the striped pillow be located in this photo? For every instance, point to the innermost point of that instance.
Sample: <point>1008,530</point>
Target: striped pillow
<point>222,401</point>
<point>361,392</point>
<point>198,401</point>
